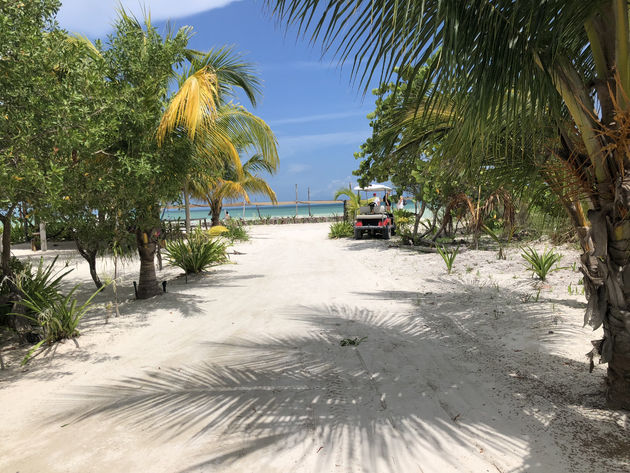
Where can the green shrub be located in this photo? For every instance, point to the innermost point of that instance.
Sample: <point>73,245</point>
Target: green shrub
<point>341,230</point>
<point>196,253</point>
<point>236,231</point>
<point>58,317</point>
<point>540,264</point>
<point>402,213</point>
<point>42,286</point>
<point>448,256</point>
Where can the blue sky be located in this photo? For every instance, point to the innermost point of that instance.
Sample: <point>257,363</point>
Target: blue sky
<point>318,116</point>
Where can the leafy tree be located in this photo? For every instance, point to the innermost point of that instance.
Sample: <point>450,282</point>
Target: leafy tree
<point>35,60</point>
<point>559,62</point>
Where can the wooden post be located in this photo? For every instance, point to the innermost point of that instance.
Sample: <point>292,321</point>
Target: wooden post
<point>42,236</point>
<point>309,202</point>
<point>296,201</point>
<point>345,211</point>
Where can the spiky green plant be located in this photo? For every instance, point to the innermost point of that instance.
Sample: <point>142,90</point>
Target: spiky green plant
<point>236,231</point>
<point>58,316</point>
<point>341,230</point>
<point>448,256</point>
<point>540,264</point>
<point>197,253</point>
<point>42,286</point>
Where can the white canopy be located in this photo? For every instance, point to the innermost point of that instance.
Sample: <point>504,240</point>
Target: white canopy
<point>373,188</point>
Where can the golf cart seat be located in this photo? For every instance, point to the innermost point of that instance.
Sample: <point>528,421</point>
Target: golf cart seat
<point>367,210</point>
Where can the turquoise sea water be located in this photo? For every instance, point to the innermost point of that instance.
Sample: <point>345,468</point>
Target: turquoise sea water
<point>252,212</point>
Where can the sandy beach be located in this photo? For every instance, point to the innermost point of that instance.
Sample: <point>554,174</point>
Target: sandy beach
<point>241,369</point>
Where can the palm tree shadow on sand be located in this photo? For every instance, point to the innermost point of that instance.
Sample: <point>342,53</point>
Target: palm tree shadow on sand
<point>396,402</point>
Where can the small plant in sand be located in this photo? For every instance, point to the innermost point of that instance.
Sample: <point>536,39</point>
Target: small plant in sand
<point>58,317</point>
<point>42,285</point>
<point>197,253</point>
<point>341,230</point>
<point>236,231</point>
<point>575,290</point>
<point>540,264</point>
<point>495,236</point>
<point>448,256</point>
<point>356,341</point>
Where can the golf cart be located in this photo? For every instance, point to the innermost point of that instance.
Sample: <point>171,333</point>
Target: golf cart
<point>374,219</point>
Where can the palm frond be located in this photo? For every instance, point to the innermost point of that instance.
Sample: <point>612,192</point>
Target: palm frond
<point>193,106</point>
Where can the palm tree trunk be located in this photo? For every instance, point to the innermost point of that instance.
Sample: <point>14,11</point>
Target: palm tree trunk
<point>216,207</point>
<point>187,207</point>
<point>607,286</point>
<point>147,284</point>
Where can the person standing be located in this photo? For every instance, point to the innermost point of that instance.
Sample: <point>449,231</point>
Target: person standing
<point>387,203</point>
<point>401,203</point>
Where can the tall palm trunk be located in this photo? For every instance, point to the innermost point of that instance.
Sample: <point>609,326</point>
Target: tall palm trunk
<point>147,246</point>
<point>187,206</point>
<point>606,268</point>
<point>215,207</point>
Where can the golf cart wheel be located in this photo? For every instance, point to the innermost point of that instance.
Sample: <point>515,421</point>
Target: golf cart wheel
<point>387,233</point>
<point>357,234</point>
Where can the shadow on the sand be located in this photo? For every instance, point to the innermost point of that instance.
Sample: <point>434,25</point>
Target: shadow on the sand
<point>380,400</point>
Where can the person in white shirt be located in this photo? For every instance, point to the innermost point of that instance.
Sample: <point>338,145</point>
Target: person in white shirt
<point>401,203</point>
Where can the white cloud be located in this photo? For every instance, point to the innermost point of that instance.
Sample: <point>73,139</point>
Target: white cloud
<point>95,17</point>
<point>298,168</point>
<point>292,145</point>
<point>333,186</point>
<point>314,118</point>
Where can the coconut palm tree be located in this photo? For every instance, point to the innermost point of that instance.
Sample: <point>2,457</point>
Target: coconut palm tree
<point>205,83</point>
<point>558,60</point>
<point>354,200</point>
<point>200,107</point>
<point>235,181</point>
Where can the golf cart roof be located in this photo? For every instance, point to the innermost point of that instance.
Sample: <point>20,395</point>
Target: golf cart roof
<point>373,188</point>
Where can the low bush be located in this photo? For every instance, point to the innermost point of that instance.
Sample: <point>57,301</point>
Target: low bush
<point>197,253</point>
<point>216,231</point>
<point>41,286</point>
<point>58,316</point>
<point>236,231</point>
<point>341,230</point>
<point>540,264</point>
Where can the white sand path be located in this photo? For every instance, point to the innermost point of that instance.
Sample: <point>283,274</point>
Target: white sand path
<point>241,370</point>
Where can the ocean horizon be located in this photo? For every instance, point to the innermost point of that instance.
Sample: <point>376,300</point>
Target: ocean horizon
<point>253,212</point>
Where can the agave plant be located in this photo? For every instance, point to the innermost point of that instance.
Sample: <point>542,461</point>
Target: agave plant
<point>197,253</point>
<point>42,286</point>
<point>58,316</point>
<point>540,264</point>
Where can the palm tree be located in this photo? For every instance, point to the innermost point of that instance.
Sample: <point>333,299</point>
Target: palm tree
<point>235,181</point>
<point>193,112</point>
<point>563,61</point>
<point>200,108</point>
<point>354,200</point>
